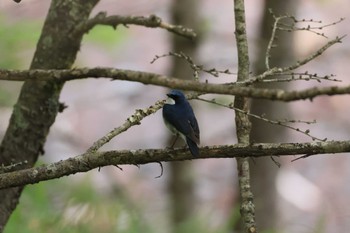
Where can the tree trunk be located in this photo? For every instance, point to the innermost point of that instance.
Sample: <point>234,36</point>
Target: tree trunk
<point>38,102</point>
<point>181,190</point>
<point>264,171</point>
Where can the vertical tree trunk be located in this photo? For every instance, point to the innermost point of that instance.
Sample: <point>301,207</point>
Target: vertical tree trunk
<point>38,104</point>
<point>184,12</point>
<point>243,124</point>
<point>264,171</point>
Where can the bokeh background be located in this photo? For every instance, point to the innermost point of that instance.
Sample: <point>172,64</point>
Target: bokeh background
<point>310,195</point>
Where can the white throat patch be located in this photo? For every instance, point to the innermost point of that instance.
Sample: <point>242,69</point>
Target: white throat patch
<point>170,101</point>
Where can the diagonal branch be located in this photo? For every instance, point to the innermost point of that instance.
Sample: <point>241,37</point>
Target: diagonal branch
<point>165,81</point>
<point>282,123</point>
<point>152,21</point>
<point>196,68</point>
<point>134,119</point>
<point>88,161</point>
<point>315,54</point>
<point>281,71</point>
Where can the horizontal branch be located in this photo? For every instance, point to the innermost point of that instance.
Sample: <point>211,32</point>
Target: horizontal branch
<point>165,81</point>
<point>152,21</point>
<point>89,161</point>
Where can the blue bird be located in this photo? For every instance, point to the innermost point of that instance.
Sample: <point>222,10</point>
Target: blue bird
<point>178,116</point>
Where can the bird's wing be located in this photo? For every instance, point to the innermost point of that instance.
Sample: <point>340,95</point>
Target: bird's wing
<point>183,121</point>
<point>194,132</point>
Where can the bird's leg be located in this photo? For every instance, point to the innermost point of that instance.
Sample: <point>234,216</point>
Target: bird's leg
<point>176,137</point>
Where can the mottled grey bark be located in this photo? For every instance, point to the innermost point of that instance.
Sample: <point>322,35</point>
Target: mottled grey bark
<point>264,171</point>
<point>243,125</point>
<point>237,89</point>
<point>38,104</point>
<point>181,179</point>
<point>91,160</point>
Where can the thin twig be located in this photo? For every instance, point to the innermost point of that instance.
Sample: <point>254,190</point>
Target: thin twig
<point>309,27</point>
<point>282,123</point>
<point>134,119</point>
<point>13,167</point>
<point>300,77</point>
<point>278,164</point>
<point>285,27</point>
<point>161,170</point>
<point>303,157</point>
<point>314,55</point>
<point>291,68</point>
<point>272,39</point>
<point>196,68</point>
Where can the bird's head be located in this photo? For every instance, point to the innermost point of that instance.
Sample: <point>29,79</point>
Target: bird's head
<point>175,96</point>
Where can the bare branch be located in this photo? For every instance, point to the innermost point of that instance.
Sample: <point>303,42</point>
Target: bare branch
<point>312,26</point>
<point>283,123</point>
<point>13,167</point>
<point>90,161</point>
<point>295,76</point>
<point>272,39</point>
<point>152,21</point>
<point>281,71</point>
<point>134,119</point>
<point>314,55</point>
<point>196,68</point>
<point>162,80</point>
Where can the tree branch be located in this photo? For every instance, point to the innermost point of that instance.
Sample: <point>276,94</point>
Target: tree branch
<point>283,123</point>
<point>165,81</point>
<point>134,119</point>
<point>284,70</point>
<point>243,124</point>
<point>152,21</point>
<point>88,161</point>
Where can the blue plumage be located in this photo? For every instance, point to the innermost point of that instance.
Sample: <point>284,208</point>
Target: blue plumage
<point>180,119</point>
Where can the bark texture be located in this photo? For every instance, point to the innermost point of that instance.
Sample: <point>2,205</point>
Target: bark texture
<point>91,160</point>
<point>243,125</point>
<point>38,102</point>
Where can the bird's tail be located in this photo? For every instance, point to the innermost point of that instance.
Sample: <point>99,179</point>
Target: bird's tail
<point>193,147</point>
